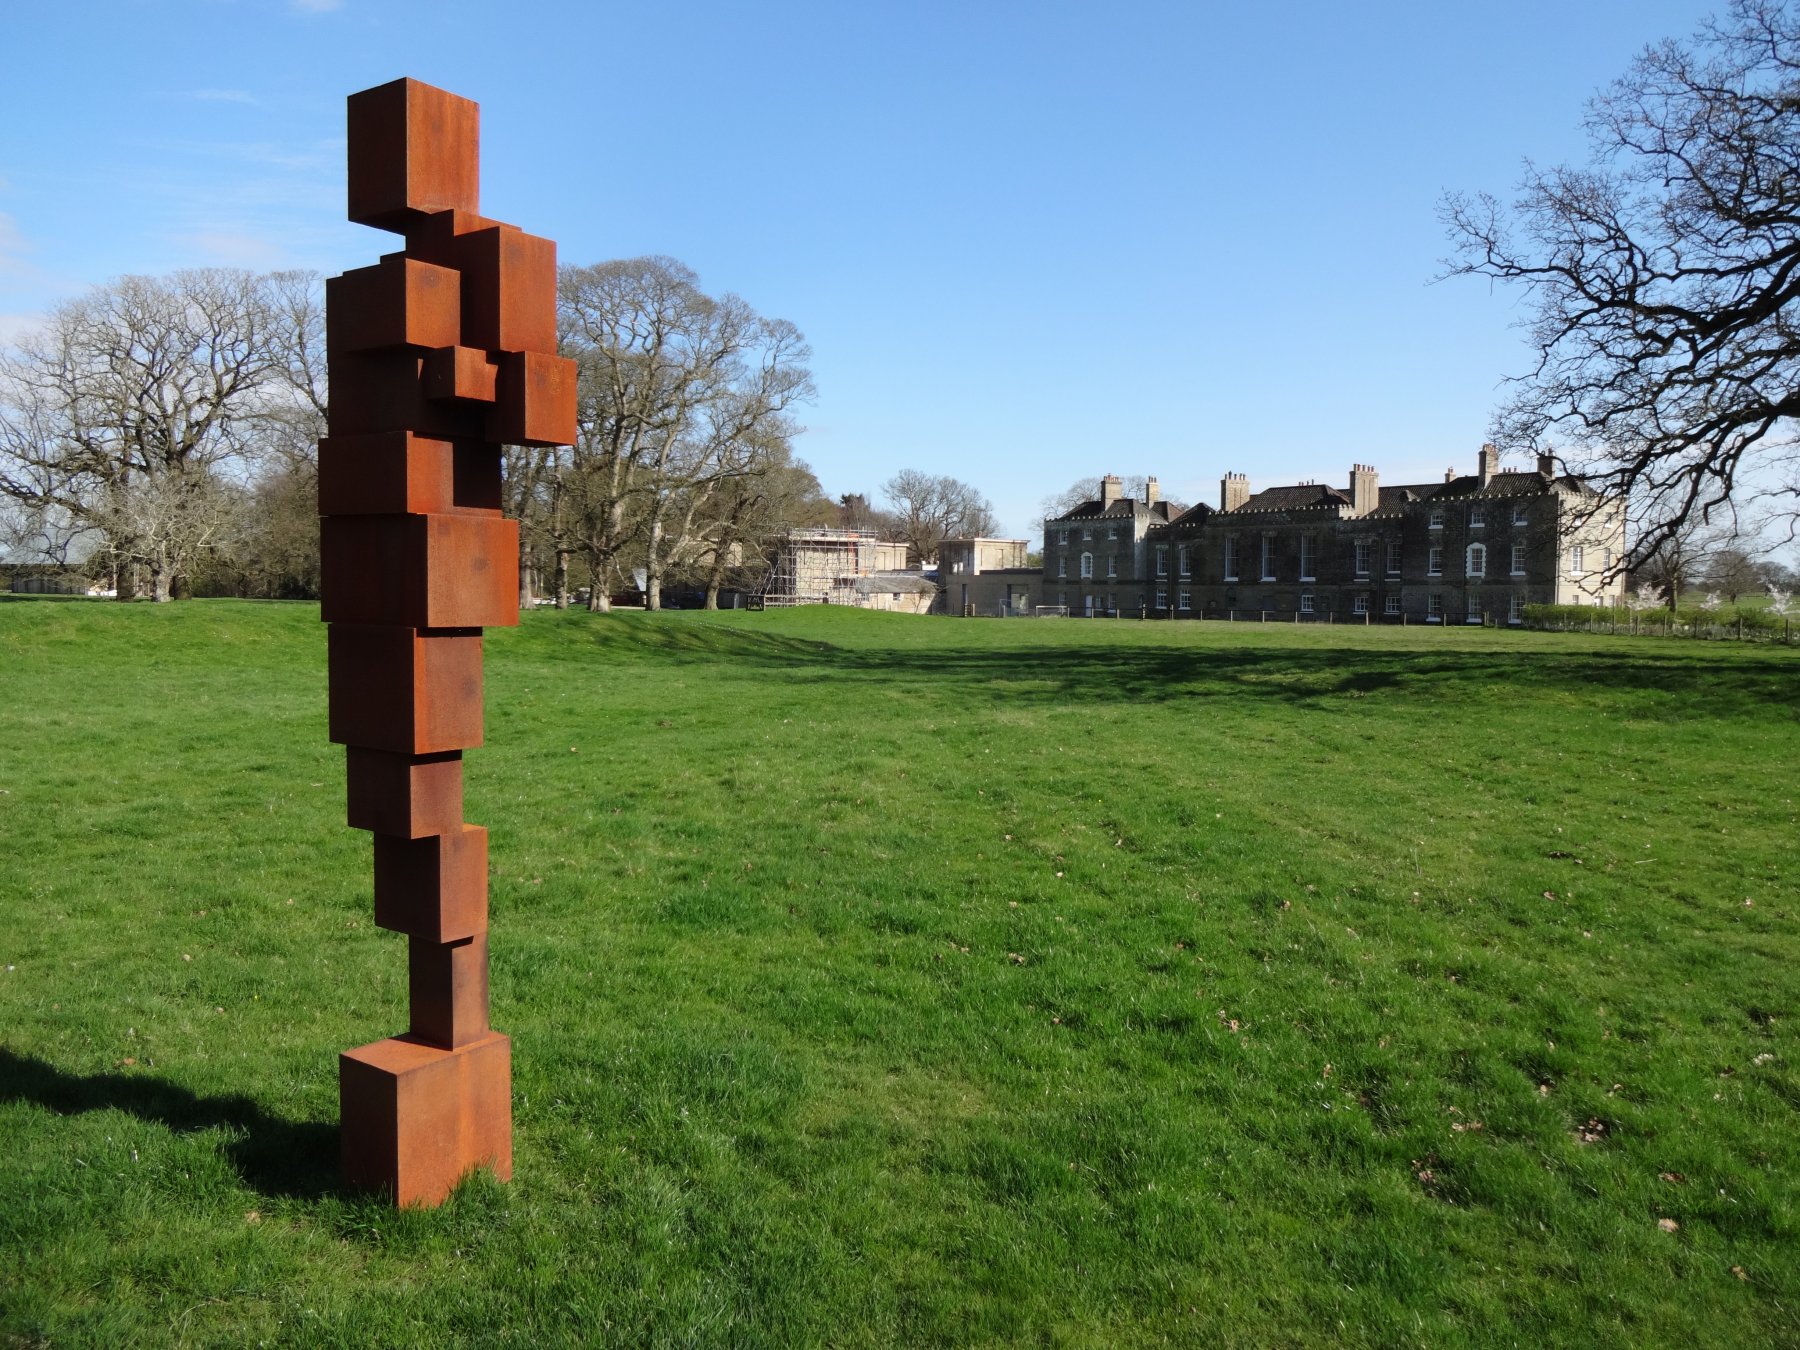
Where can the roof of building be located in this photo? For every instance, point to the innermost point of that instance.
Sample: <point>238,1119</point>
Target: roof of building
<point>1124,508</point>
<point>894,582</point>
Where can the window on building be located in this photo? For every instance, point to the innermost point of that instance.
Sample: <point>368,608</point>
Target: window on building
<point>1577,557</point>
<point>1607,559</point>
<point>1477,560</point>
<point>1520,515</point>
<point>1062,565</point>
<point>1268,557</point>
<point>1393,558</point>
<point>1434,607</point>
<point>1437,520</point>
<point>1112,565</point>
<point>1306,602</point>
<point>1308,557</point>
<point>1087,566</point>
<point>1181,560</point>
<point>1231,558</point>
<point>1518,560</point>
<point>1477,517</point>
<point>1062,536</point>
<point>1365,556</point>
<point>1359,604</point>
<point>1515,608</point>
<point>1435,566</point>
<point>1391,605</point>
<point>1162,599</point>
<point>1112,531</point>
<point>1184,601</point>
<point>1086,535</point>
<point>1162,560</point>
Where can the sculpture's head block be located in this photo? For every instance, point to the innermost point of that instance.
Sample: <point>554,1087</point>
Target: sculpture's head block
<point>414,151</point>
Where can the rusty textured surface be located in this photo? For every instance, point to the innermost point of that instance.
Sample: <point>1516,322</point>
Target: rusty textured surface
<point>402,690</point>
<point>418,1118</point>
<point>396,473</point>
<point>447,989</point>
<point>437,356</point>
<point>435,887</point>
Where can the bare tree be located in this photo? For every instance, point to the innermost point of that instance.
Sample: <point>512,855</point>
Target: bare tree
<point>1663,280</point>
<point>678,393</point>
<point>930,508</point>
<point>130,418</point>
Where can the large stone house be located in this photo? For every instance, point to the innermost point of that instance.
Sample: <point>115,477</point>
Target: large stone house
<point>1095,557</point>
<point>1473,548</point>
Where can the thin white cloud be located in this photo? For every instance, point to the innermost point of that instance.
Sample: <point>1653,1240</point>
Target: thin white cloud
<point>15,326</point>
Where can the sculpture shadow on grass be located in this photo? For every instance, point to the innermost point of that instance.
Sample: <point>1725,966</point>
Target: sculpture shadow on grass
<point>275,1156</point>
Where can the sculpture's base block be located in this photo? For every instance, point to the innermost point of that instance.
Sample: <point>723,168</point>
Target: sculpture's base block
<point>417,1119</point>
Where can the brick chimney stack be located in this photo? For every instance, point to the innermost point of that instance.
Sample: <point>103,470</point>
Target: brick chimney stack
<point>1547,465</point>
<point>1365,490</point>
<point>1234,491</point>
<point>1490,463</point>
<point>1449,475</point>
<point>1111,489</point>
<point>1152,492</point>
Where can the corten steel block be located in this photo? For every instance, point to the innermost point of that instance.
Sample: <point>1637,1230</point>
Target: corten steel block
<point>447,990</point>
<point>427,571</point>
<point>402,690</point>
<point>434,888</point>
<point>461,372</point>
<point>508,280</point>
<point>535,403</point>
<point>397,473</point>
<point>399,302</point>
<point>385,391</point>
<point>409,796</point>
<point>414,150</point>
<point>417,1119</point>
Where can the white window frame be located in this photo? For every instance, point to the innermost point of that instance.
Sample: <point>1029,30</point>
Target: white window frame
<point>1359,604</point>
<point>1162,598</point>
<point>1477,517</point>
<point>1309,561</point>
<point>1062,565</point>
<point>1365,556</point>
<point>1087,567</point>
<point>1434,561</point>
<point>1112,564</point>
<point>1521,516</point>
<point>1515,608</point>
<point>1231,557</point>
<point>1268,557</point>
<point>1434,607</point>
<point>1437,520</point>
<point>1162,560</point>
<point>1391,605</point>
<point>1577,560</point>
<point>1475,560</point>
<point>1112,531</point>
<point>1518,560</point>
<point>1181,561</point>
<point>1306,602</point>
<point>1395,551</point>
<point>1184,599</point>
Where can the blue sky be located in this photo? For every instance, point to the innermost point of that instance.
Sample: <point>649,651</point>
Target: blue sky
<point>1028,242</point>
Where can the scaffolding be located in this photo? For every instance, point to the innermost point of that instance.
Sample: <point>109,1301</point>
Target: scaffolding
<point>815,566</point>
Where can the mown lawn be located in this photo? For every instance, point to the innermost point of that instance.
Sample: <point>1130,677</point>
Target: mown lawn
<point>895,981</point>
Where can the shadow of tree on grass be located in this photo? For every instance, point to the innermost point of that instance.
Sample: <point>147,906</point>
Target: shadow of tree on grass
<point>274,1156</point>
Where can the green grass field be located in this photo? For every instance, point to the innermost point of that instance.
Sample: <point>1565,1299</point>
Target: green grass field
<point>896,981</point>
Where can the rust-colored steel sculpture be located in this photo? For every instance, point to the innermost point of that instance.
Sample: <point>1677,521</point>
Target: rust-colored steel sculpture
<point>438,356</point>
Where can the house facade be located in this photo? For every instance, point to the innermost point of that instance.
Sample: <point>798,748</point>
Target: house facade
<point>1097,557</point>
<point>987,577</point>
<point>1473,548</point>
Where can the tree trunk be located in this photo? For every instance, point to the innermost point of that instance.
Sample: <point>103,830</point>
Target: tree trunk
<point>562,578</point>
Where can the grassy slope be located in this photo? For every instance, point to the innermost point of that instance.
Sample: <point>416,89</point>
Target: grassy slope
<point>881,980</point>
